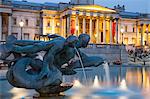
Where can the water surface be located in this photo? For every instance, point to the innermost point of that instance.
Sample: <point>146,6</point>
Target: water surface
<point>124,83</point>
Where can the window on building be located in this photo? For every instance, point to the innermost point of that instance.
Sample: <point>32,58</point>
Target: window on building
<point>36,37</point>
<point>37,22</point>
<point>133,29</point>
<point>5,21</point>
<point>57,24</point>
<point>14,21</point>
<point>26,22</point>
<point>126,28</point>
<point>125,41</point>
<point>133,40</point>
<point>15,34</point>
<point>48,24</point>
<point>26,36</point>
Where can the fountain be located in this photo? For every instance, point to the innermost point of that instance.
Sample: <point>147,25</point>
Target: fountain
<point>81,64</point>
<point>123,85</point>
<point>95,90</point>
<point>106,68</point>
<point>96,82</point>
<point>44,73</point>
<point>77,84</point>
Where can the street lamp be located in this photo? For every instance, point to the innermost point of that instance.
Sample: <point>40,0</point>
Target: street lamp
<point>21,26</point>
<point>122,30</point>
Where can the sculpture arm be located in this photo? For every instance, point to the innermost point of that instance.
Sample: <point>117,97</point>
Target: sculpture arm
<point>26,42</point>
<point>32,48</point>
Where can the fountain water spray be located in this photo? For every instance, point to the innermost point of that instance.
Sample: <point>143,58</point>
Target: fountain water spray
<point>81,64</point>
<point>123,85</point>
<point>96,82</point>
<point>77,84</point>
<point>106,68</point>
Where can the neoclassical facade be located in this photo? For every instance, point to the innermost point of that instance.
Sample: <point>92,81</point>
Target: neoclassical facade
<point>104,25</point>
<point>75,20</point>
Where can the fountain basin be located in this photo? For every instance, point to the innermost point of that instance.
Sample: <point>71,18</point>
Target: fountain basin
<point>55,90</point>
<point>111,92</point>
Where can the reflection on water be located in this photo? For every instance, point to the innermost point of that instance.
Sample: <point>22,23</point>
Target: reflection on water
<point>20,93</point>
<point>134,79</point>
<point>139,77</point>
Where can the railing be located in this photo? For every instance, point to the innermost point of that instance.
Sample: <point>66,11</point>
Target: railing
<point>105,45</point>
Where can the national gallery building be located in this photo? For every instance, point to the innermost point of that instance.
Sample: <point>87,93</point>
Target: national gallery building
<point>28,20</point>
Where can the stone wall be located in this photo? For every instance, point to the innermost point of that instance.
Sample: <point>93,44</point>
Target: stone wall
<point>31,28</point>
<point>110,53</point>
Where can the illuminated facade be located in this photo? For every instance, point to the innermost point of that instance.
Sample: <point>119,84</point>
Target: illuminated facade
<point>104,25</point>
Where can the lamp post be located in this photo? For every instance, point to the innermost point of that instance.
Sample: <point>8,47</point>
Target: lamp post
<point>21,26</point>
<point>122,30</point>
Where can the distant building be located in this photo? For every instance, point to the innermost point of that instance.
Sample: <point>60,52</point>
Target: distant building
<point>104,25</point>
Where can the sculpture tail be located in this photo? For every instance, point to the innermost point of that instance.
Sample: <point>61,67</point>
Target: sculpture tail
<point>11,39</point>
<point>5,49</point>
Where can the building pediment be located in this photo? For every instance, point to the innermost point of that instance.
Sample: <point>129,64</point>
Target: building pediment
<point>96,8</point>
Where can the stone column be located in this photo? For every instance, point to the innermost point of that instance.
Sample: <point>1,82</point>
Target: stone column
<point>44,25</point>
<point>41,23</point>
<point>76,26</point>
<point>69,24</point>
<point>117,30</point>
<point>53,25</point>
<point>64,26</point>
<point>61,27</point>
<point>84,25</point>
<point>110,30</point>
<point>142,35</point>
<point>9,24</point>
<point>147,42</point>
<point>0,27</point>
<point>104,30</point>
<point>97,31</point>
<point>91,35</point>
<point>137,32</point>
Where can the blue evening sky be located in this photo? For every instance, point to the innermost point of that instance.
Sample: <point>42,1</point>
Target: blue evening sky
<point>131,5</point>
